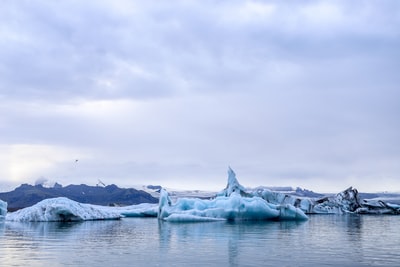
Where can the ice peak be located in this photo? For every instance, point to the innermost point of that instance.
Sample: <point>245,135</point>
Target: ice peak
<point>233,185</point>
<point>349,199</point>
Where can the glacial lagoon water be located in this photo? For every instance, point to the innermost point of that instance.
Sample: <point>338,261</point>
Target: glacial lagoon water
<point>323,240</point>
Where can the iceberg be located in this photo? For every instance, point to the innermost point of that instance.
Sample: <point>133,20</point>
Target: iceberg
<point>139,210</point>
<point>62,209</point>
<point>304,203</point>
<point>232,203</point>
<point>347,201</point>
<point>378,207</point>
<point>343,202</point>
<point>3,209</point>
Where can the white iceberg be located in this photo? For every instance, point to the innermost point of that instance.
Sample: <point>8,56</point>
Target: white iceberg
<point>232,203</point>
<point>3,209</point>
<point>62,209</point>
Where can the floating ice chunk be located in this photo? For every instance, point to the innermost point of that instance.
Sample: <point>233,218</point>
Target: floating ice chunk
<point>346,201</point>
<point>304,203</point>
<point>327,208</point>
<point>232,207</point>
<point>3,209</point>
<point>140,210</point>
<point>387,199</point>
<point>378,207</point>
<point>289,212</point>
<point>63,209</point>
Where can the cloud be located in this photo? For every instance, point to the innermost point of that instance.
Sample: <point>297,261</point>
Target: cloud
<point>299,93</point>
<point>30,162</point>
<point>100,51</point>
<point>41,181</point>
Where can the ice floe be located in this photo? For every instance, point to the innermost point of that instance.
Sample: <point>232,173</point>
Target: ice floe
<point>62,209</point>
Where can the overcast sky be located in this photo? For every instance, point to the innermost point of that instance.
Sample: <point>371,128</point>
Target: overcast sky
<point>287,93</point>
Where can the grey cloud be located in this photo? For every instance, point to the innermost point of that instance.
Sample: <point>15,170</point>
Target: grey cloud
<point>77,49</point>
<point>283,93</point>
<point>65,56</point>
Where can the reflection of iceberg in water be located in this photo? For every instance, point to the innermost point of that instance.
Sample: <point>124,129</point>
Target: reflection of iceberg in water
<point>232,203</point>
<point>63,230</point>
<point>224,238</point>
<point>48,243</point>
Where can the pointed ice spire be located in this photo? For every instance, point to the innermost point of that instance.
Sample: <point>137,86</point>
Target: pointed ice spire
<point>233,185</point>
<point>348,199</point>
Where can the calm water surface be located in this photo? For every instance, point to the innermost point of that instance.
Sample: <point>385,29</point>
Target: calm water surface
<point>324,240</point>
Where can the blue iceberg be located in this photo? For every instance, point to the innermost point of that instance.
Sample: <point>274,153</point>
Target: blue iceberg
<point>3,209</point>
<point>232,203</point>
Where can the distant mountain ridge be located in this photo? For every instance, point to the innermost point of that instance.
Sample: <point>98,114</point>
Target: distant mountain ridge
<point>27,195</point>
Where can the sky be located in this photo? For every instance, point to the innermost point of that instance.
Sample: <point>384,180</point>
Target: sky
<point>288,93</point>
